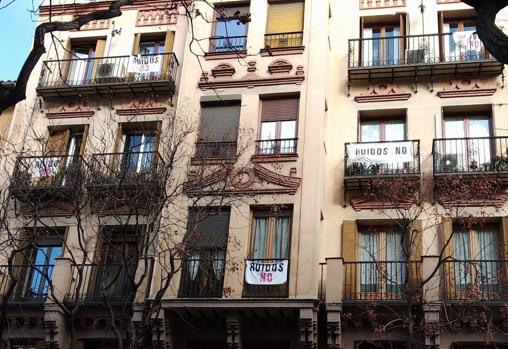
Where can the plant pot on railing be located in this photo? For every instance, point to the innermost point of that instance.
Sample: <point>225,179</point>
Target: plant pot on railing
<point>363,169</point>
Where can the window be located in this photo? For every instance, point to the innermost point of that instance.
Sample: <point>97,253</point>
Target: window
<point>284,24</point>
<point>271,231</point>
<point>229,32</point>
<point>382,40</point>
<point>382,260</point>
<point>382,129</point>
<point>140,143</point>
<point>460,40</point>
<point>476,253</point>
<point>468,146</point>
<point>206,242</point>
<point>218,130</point>
<point>68,141</point>
<point>83,63</point>
<point>155,49</point>
<point>279,119</point>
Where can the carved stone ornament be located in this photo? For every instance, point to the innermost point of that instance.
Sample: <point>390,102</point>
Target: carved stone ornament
<point>72,109</point>
<point>254,180</point>
<point>465,88</point>
<point>280,66</point>
<point>155,17</point>
<point>142,106</point>
<point>383,92</point>
<point>223,69</point>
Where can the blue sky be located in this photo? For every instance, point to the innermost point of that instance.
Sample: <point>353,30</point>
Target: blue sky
<point>17,30</point>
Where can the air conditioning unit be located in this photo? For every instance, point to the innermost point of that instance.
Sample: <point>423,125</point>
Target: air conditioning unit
<point>110,72</point>
<point>448,163</point>
<point>415,56</point>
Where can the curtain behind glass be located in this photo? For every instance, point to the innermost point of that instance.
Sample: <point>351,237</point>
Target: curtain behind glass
<point>395,268</point>
<point>487,267</point>
<point>461,252</point>
<point>369,252</point>
<point>259,246</point>
<point>281,238</point>
<point>218,263</point>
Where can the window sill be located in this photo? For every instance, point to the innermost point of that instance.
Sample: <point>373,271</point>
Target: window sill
<point>281,51</point>
<point>225,55</point>
<point>267,158</point>
<point>212,160</point>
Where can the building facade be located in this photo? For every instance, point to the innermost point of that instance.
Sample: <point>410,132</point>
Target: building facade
<point>265,173</point>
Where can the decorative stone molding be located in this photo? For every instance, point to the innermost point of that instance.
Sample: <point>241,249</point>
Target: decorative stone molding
<point>251,66</point>
<point>142,106</point>
<point>447,1</point>
<point>281,51</point>
<point>256,180</point>
<point>307,325</point>
<point>72,109</point>
<point>223,69</point>
<point>383,92</point>
<point>373,4</point>
<point>364,203</point>
<point>209,56</point>
<point>155,17</point>
<point>333,325</point>
<point>270,158</point>
<point>465,88</point>
<point>432,335</point>
<point>280,66</point>
<point>96,25</point>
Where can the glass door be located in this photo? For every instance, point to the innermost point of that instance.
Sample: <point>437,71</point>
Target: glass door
<point>138,152</point>
<point>81,65</point>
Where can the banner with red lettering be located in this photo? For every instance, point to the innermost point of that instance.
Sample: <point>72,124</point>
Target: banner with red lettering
<point>258,272</point>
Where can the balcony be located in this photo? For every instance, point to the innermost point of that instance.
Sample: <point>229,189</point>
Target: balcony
<point>119,75</point>
<point>283,43</point>
<point>276,148</point>
<point>32,282</point>
<point>228,45</point>
<point>45,177</point>
<point>96,283</point>
<point>202,278</point>
<point>266,278</point>
<point>135,173</point>
<point>366,161</point>
<point>379,280</point>
<point>475,280</point>
<point>215,151</point>
<point>417,57</point>
<point>471,156</point>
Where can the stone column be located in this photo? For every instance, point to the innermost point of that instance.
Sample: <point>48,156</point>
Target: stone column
<point>308,328</point>
<point>334,288</point>
<point>431,298</point>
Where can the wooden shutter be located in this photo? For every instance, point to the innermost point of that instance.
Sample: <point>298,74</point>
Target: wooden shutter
<point>100,47</point>
<point>349,248</point>
<point>503,247</point>
<point>448,267</point>
<point>279,109</point>
<point>83,141</point>
<point>416,253</point>
<point>402,41</point>
<point>360,44</point>
<point>57,142</point>
<point>135,47</point>
<point>441,36</point>
<point>219,123</point>
<point>285,17</point>
<point>119,139</point>
<point>168,48</point>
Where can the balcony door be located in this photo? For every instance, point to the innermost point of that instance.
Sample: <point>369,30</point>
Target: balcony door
<point>467,146</point>
<point>271,236</point>
<point>381,45</point>
<point>229,33</point>
<point>278,126</point>
<point>382,261</point>
<point>476,266</point>
<point>138,154</point>
<point>461,42</point>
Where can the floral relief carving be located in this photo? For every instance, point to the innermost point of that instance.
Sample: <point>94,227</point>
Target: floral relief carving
<point>465,88</point>
<point>155,17</point>
<point>142,106</point>
<point>280,66</point>
<point>383,92</point>
<point>72,109</point>
<point>223,69</point>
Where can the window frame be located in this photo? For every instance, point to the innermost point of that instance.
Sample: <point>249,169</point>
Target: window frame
<point>382,124</point>
<point>272,217</point>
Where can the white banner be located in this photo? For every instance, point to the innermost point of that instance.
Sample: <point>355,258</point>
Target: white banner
<point>389,152</point>
<point>145,64</point>
<point>266,273</point>
<point>45,167</point>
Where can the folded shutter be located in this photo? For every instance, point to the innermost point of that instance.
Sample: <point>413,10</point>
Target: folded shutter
<point>57,142</point>
<point>349,253</point>
<point>219,123</point>
<point>168,48</point>
<point>279,109</point>
<point>448,266</point>
<point>416,238</point>
<point>100,47</point>
<point>285,17</point>
<point>207,229</point>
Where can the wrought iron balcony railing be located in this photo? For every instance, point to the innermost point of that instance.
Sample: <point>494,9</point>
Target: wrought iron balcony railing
<point>382,158</point>
<point>283,40</point>
<point>286,146</point>
<point>52,174</point>
<point>470,155</point>
<point>379,280</point>
<point>101,282</point>
<point>31,282</point>
<point>127,169</point>
<point>222,150</point>
<point>108,70</point>
<point>461,47</point>
<point>266,278</point>
<point>228,44</point>
<point>202,278</point>
<point>475,280</point>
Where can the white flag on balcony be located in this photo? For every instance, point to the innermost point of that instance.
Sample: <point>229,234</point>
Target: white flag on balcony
<point>145,64</point>
<point>385,153</point>
<point>45,167</point>
<point>266,272</point>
